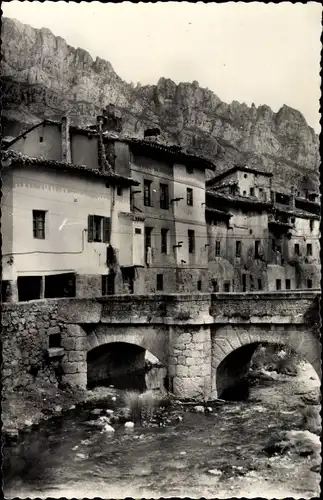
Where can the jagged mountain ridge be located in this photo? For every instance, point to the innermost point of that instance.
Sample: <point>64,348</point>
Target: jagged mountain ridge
<point>45,77</point>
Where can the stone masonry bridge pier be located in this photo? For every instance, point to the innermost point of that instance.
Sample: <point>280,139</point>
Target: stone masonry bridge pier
<point>205,340</point>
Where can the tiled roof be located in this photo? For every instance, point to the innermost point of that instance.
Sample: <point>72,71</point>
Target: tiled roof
<point>171,149</point>
<point>296,212</point>
<point>21,159</point>
<point>238,199</point>
<point>243,168</point>
<point>222,213</point>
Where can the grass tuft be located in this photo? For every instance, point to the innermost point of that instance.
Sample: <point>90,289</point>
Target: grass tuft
<point>144,406</point>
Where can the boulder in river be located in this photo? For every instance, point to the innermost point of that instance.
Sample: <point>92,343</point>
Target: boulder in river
<point>199,409</point>
<point>108,428</point>
<point>129,425</point>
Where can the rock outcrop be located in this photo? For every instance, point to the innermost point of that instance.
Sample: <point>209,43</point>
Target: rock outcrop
<point>45,77</point>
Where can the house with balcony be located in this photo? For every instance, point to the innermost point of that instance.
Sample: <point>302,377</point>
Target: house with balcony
<point>170,197</point>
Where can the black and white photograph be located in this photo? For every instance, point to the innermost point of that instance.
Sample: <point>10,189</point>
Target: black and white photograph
<point>160,257</point>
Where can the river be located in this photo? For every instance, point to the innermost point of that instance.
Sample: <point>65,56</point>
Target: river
<point>219,454</point>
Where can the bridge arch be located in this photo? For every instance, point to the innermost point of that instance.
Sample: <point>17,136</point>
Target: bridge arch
<point>234,345</point>
<point>116,355</point>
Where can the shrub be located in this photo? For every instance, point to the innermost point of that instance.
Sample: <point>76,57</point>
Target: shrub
<point>275,358</point>
<point>143,407</point>
<point>132,403</point>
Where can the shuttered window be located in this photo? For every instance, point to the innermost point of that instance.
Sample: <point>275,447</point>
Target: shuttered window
<point>99,229</point>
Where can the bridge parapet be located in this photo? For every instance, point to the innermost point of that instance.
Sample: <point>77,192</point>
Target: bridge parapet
<point>263,307</point>
<point>139,309</point>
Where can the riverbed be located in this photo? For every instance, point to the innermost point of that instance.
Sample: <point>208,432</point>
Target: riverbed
<point>219,454</point>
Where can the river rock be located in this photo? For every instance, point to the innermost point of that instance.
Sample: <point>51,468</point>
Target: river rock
<point>129,425</point>
<point>199,409</point>
<point>109,412</point>
<point>28,422</point>
<point>103,420</point>
<point>82,456</point>
<point>108,428</point>
<point>179,418</point>
<point>114,398</point>
<point>96,411</point>
<point>215,472</point>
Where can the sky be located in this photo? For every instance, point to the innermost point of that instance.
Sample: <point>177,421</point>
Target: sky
<point>253,53</point>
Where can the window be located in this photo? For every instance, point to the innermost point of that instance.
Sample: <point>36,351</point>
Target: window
<point>244,282</point>
<point>160,284</point>
<point>98,229</point>
<point>257,248</point>
<point>311,224</point>
<point>309,284</point>
<point>39,224</point>
<point>226,286</point>
<point>119,190</point>
<point>164,233</point>
<point>245,176</point>
<point>278,284</point>
<point>137,230</point>
<point>189,170</point>
<point>309,249</point>
<point>189,196</point>
<point>28,287</point>
<point>147,193</point>
<point>191,241</point>
<point>148,231</point>
<point>164,198</point>
<point>59,285</point>
<point>252,191</point>
<point>217,248</point>
<point>215,286</point>
<point>41,139</point>
<point>108,284</point>
<point>259,284</point>
<point>296,249</point>
<point>287,283</point>
<point>244,193</point>
<point>199,285</point>
<point>238,248</point>
<point>54,340</point>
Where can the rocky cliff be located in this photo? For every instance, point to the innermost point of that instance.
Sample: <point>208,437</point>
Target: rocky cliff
<point>45,77</point>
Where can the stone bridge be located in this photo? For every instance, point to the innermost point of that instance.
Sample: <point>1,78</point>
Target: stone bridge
<point>206,341</point>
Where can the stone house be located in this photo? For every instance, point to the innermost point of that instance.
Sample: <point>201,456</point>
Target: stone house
<point>260,239</point>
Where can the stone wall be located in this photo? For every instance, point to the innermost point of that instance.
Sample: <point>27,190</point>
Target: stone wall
<point>189,366</point>
<point>26,329</point>
<point>263,307</point>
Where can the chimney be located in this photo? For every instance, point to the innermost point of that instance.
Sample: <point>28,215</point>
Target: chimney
<point>101,155</point>
<point>65,138</point>
<point>113,119</point>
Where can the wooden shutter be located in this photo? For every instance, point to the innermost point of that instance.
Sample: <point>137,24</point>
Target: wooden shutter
<point>106,229</point>
<point>90,228</point>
